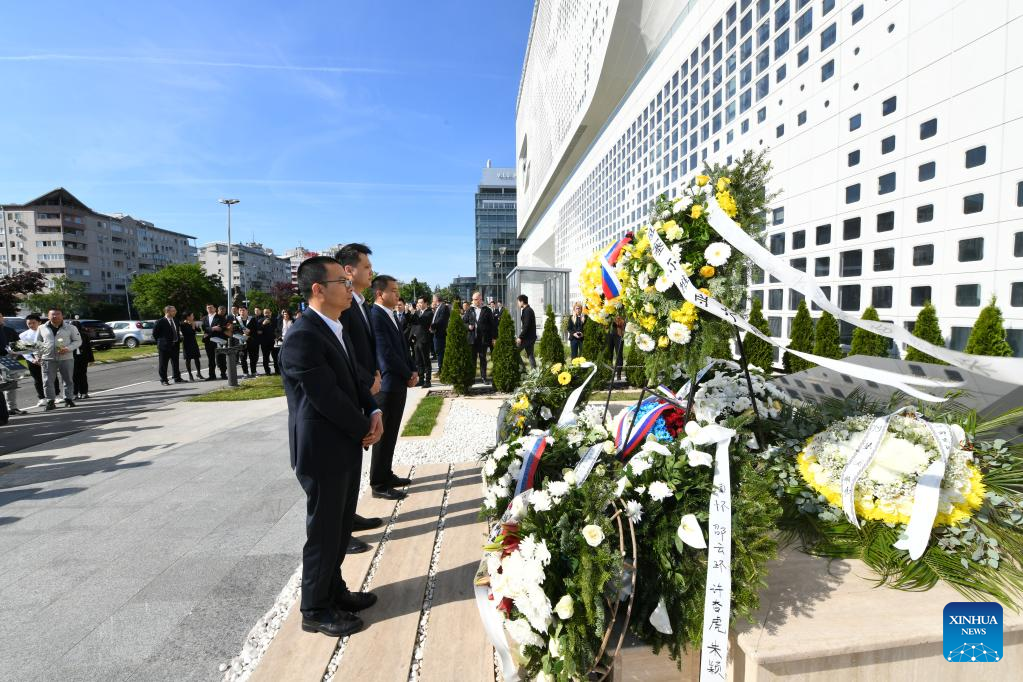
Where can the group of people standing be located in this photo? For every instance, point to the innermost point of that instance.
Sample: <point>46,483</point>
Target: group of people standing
<point>59,359</point>
<point>260,332</point>
<point>347,364</point>
<point>481,322</point>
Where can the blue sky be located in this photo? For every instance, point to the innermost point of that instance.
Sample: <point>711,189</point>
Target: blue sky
<point>331,121</point>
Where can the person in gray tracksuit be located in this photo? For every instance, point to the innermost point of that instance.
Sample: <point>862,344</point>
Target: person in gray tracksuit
<point>58,343</point>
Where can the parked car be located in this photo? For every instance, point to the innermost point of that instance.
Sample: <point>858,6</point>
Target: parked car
<point>18,324</point>
<point>132,333</point>
<point>99,332</point>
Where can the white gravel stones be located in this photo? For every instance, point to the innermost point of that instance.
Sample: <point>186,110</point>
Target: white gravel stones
<point>467,432</point>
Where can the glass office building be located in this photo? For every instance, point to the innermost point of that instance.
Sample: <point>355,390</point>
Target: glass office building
<point>497,245</point>
<point>890,125</point>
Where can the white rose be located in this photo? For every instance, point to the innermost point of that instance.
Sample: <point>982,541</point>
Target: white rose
<point>689,532</point>
<point>570,477</point>
<point>659,490</point>
<point>543,677</point>
<point>565,606</point>
<point>609,447</point>
<point>593,535</point>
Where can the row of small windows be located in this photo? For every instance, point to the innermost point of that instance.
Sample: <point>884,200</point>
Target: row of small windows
<point>849,296</point>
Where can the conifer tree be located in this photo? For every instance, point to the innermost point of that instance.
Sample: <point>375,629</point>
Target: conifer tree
<point>988,335</point>
<point>635,370</point>
<point>825,337</point>
<point>595,350</point>
<point>552,350</point>
<point>868,343</point>
<point>801,340</point>
<point>507,372</point>
<point>928,329</point>
<point>459,368</point>
<point>758,351</point>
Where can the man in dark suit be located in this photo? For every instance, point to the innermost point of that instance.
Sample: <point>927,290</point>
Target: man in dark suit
<point>439,328</point>
<point>246,326</point>
<point>495,321</point>
<point>354,258</point>
<point>167,335</point>
<point>267,323</point>
<point>527,336</point>
<point>331,418</point>
<point>397,376</point>
<point>422,340</point>
<point>213,328</point>
<point>479,321</point>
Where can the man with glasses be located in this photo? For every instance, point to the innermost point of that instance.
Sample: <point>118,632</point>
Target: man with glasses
<point>331,418</point>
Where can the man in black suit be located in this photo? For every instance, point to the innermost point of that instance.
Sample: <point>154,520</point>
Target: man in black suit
<point>167,335</point>
<point>354,258</point>
<point>495,321</point>
<point>331,418</point>
<point>479,321</point>
<point>213,328</point>
<point>246,326</point>
<point>267,324</point>
<point>422,340</point>
<point>397,376</point>
<point>527,336</point>
<point>439,328</point>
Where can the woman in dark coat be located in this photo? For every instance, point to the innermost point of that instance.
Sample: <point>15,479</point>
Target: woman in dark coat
<point>83,357</point>
<point>190,346</point>
<point>575,330</point>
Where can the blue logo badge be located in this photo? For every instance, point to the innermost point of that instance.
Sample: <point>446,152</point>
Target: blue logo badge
<point>972,632</point>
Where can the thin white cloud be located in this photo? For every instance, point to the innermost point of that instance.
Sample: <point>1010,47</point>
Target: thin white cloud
<point>67,57</point>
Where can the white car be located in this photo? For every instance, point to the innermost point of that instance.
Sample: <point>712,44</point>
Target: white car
<point>132,333</point>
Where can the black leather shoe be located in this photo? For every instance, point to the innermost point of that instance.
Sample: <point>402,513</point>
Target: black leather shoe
<point>69,403</point>
<point>399,482</point>
<point>51,406</point>
<point>332,624</point>
<point>363,523</point>
<point>179,381</point>
<point>386,493</point>
<point>163,382</point>
<point>356,546</point>
<point>355,601</point>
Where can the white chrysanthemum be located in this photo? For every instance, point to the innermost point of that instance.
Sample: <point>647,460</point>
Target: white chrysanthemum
<point>659,490</point>
<point>634,510</point>
<point>717,254</point>
<point>520,632</point>
<point>645,343</point>
<point>490,468</point>
<point>639,463</point>
<point>541,500</point>
<point>643,280</point>
<point>500,452</point>
<point>679,333</point>
<point>545,412</point>
<point>557,489</point>
<point>662,284</point>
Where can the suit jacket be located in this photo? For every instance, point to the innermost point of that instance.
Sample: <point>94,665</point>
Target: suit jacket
<point>439,320</point>
<point>364,343</point>
<point>7,336</point>
<point>267,330</point>
<point>480,336</point>
<point>395,363</point>
<point>421,327</point>
<point>528,319</point>
<point>328,406</point>
<point>163,334</point>
<point>576,327</point>
<point>207,328</point>
<point>495,320</point>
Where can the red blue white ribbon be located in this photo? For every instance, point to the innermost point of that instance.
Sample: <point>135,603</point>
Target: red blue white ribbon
<point>611,287</point>
<point>641,428</point>
<point>530,463</point>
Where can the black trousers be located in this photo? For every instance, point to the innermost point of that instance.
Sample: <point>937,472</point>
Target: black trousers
<point>423,363</point>
<point>439,341</point>
<point>211,356</point>
<point>276,351</point>
<point>81,376</point>
<point>616,352</point>
<point>170,355</point>
<point>330,511</point>
<point>480,350</point>
<point>250,358</point>
<point>37,378</point>
<point>577,346</point>
<point>267,352</point>
<point>391,404</point>
<point>527,348</point>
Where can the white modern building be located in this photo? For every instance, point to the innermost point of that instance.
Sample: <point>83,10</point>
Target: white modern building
<point>895,128</point>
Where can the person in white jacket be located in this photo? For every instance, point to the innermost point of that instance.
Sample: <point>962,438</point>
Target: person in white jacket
<point>58,342</point>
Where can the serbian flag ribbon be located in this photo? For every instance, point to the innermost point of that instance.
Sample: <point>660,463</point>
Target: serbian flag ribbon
<point>530,463</point>
<point>651,410</point>
<point>610,285</point>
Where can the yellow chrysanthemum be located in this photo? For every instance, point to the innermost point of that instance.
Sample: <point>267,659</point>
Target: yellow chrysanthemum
<point>727,203</point>
<point>555,368</point>
<point>702,180</point>
<point>522,403</point>
<point>696,212</point>
<point>668,227</point>
<point>648,322</point>
<point>564,378</point>
<point>707,271</point>
<point>723,183</point>
<point>687,314</point>
<point>662,342</point>
<point>705,291</point>
<point>578,361</point>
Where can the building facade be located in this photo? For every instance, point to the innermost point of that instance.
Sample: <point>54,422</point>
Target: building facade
<point>497,244</point>
<point>295,257</point>
<point>254,267</point>
<point>58,235</point>
<point>462,288</point>
<point>890,125</point>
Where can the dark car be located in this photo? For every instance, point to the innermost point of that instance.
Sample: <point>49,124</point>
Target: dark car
<point>100,333</point>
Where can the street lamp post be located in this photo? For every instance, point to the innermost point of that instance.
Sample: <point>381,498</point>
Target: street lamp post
<point>230,283</point>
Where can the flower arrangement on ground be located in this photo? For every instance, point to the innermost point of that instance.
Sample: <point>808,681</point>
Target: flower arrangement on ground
<point>542,395</point>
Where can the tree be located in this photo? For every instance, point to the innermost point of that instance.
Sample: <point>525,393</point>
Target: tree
<point>758,352</point>
<point>801,340</point>
<point>595,350</point>
<point>15,286</point>
<point>868,343</point>
<point>281,293</point>
<point>106,311</point>
<point>988,335</point>
<point>928,329</point>
<point>507,371</point>
<point>635,369</point>
<point>552,350</point>
<point>65,294</point>
<point>459,368</point>
<point>825,337</point>
<point>410,291</point>
<point>259,299</point>
<point>183,285</point>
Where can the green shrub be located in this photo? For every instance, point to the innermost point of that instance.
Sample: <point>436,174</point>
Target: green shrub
<point>825,337</point>
<point>869,343</point>
<point>758,352</point>
<point>459,368</point>
<point>988,335</point>
<point>507,370</point>
<point>552,349</point>
<point>595,350</point>
<point>801,340</point>
<point>928,329</point>
<point>635,371</point>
